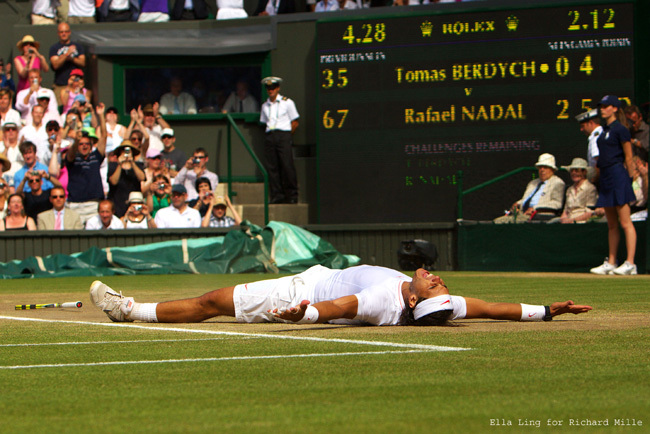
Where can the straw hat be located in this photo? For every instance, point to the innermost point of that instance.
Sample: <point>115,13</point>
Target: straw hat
<point>28,39</point>
<point>6,164</point>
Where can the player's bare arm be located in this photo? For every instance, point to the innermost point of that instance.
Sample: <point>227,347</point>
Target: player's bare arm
<point>344,307</point>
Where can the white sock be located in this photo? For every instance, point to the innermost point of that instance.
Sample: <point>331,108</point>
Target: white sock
<point>532,313</point>
<point>144,312</point>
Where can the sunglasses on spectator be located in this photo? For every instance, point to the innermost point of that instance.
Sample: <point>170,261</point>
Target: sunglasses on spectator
<point>58,196</point>
<point>10,129</point>
<point>35,180</point>
<point>135,139</point>
<point>3,185</point>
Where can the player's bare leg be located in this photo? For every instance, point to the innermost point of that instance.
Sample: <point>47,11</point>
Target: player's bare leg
<point>120,308</point>
<point>517,312</point>
<point>214,303</point>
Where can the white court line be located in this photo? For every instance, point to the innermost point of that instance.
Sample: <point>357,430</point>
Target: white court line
<point>141,341</point>
<point>261,335</point>
<point>211,359</point>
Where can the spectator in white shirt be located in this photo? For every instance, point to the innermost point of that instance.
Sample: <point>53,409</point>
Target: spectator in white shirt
<point>105,219</point>
<point>35,132</point>
<point>28,98</point>
<point>178,214</point>
<point>177,102</point>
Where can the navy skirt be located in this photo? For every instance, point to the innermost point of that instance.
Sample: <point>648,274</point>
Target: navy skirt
<point>615,187</point>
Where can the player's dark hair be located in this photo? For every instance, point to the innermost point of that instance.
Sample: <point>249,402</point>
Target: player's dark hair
<point>438,318</point>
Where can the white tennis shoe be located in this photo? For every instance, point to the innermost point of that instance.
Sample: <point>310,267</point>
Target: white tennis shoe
<point>626,269</point>
<point>114,305</point>
<point>606,268</point>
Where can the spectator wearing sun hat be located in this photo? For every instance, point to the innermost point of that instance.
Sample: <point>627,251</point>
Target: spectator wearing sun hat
<point>29,59</point>
<point>124,176</point>
<point>137,214</point>
<point>5,167</point>
<point>581,197</point>
<point>178,214</point>
<point>542,199</point>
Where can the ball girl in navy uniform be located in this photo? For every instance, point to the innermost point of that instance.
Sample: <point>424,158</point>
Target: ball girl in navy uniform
<point>616,170</point>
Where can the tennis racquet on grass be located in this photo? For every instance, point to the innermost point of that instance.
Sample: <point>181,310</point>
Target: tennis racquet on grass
<point>48,305</point>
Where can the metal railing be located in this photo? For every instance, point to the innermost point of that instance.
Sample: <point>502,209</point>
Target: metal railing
<point>462,193</point>
<point>232,125</point>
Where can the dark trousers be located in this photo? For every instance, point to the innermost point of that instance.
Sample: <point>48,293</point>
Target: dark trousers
<point>283,182</point>
<point>118,16</point>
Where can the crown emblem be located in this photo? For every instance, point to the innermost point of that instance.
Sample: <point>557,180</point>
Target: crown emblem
<point>512,22</point>
<point>426,28</point>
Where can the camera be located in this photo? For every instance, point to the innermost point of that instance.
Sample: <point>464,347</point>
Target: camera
<point>32,51</point>
<point>35,173</point>
<point>127,152</point>
<point>137,207</point>
<point>161,185</point>
<point>35,81</point>
<point>196,160</point>
<point>53,137</point>
<point>76,79</point>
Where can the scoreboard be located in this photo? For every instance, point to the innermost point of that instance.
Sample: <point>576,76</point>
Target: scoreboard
<point>405,102</point>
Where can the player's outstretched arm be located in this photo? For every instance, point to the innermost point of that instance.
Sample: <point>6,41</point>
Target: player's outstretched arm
<point>477,308</point>
<point>344,307</point>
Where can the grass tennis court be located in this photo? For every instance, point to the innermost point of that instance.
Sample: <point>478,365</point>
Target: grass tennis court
<point>75,371</point>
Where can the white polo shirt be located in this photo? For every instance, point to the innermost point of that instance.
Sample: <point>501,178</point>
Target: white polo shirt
<point>278,115</point>
<point>95,223</point>
<point>171,217</point>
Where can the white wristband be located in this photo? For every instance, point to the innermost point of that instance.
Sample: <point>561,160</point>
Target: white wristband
<point>311,316</point>
<point>532,313</point>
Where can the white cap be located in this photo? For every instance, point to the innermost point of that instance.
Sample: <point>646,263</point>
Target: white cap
<point>167,132</point>
<point>43,93</point>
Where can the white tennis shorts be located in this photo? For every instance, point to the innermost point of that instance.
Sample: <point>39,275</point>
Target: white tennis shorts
<point>253,300</point>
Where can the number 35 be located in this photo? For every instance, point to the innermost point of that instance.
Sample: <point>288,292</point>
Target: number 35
<point>329,78</point>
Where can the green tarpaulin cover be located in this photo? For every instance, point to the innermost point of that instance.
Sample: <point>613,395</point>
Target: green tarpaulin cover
<point>277,248</point>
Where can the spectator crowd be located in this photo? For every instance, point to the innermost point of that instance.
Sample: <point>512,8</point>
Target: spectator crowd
<point>66,163</point>
<point>157,11</point>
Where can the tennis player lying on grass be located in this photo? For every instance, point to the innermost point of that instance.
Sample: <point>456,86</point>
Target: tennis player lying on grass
<point>357,295</point>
